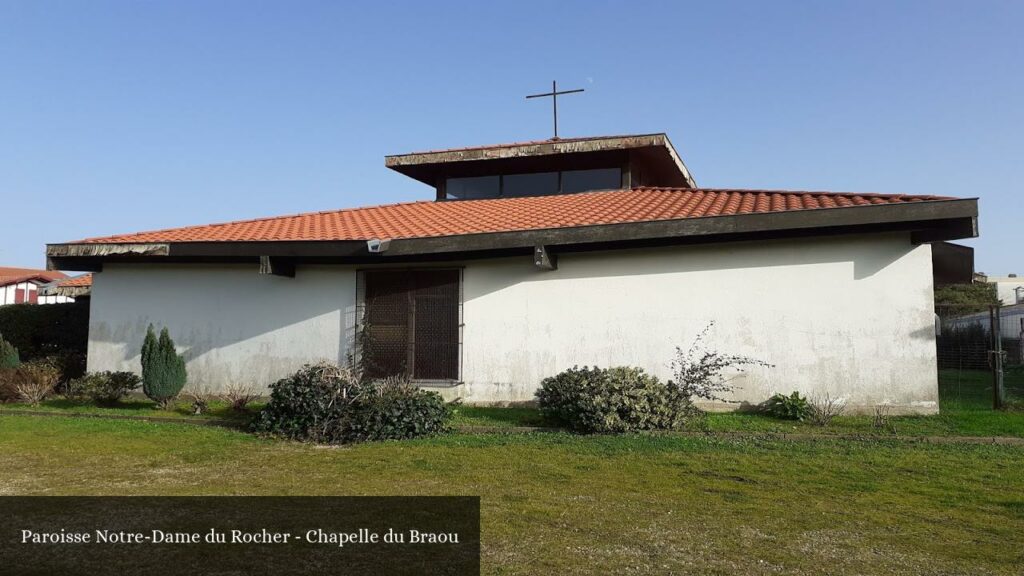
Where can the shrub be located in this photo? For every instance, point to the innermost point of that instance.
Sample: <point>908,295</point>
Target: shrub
<point>699,372</point>
<point>825,408</point>
<point>200,397</point>
<point>792,407</point>
<point>622,399</point>
<point>308,404</point>
<point>330,404</point>
<point>71,366</point>
<point>163,369</point>
<point>239,396</point>
<point>881,419</point>
<point>32,382</point>
<point>394,409</point>
<point>7,391</point>
<point>9,357</point>
<point>104,388</point>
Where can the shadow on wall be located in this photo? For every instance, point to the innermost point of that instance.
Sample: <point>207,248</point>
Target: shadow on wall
<point>233,324</point>
<point>867,255</point>
<point>229,322</point>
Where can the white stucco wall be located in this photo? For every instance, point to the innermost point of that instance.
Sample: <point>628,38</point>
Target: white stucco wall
<point>1007,289</point>
<point>851,317</point>
<point>230,323</point>
<point>848,316</point>
<point>9,295</point>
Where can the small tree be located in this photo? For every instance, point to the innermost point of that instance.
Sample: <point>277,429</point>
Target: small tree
<point>8,354</point>
<point>163,369</point>
<point>698,372</point>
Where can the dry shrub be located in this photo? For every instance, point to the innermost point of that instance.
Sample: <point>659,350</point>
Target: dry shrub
<point>32,382</point>
<point>200,396</point>
<point>881,419</point>
<point>7,391</point>
<point>239,396</point>
<point>825,408</point>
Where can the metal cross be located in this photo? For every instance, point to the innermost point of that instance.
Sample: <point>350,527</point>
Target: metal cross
<point>554,94</point>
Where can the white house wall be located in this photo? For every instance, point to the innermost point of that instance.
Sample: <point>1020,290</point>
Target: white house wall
<point>1009,290</point>
<point>231,324</point>
<point>8,295</point>
<point>851,317</point>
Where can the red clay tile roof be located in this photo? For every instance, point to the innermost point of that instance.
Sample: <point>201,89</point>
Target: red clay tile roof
<point>14,275</point>
<point>81,281</point>
<point>433,219</point>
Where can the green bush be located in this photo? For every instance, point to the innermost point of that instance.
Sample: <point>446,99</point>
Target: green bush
<point>622,399</point>
<point>163,369</point>
<point>330,404</point>
<point>9,357</point>
<point>792,407</point>
<point>104,388</point>
<point>394,409</point>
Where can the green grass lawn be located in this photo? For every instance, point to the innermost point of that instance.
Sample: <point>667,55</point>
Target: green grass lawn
<point>138,407</point>
<point>562,504</point>
<point>965,406</point>
<point>559,503</point>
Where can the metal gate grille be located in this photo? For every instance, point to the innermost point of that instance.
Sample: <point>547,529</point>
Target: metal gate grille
<point>412,324</point>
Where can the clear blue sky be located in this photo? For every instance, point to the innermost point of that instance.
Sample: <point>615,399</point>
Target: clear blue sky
<point>126,116</point>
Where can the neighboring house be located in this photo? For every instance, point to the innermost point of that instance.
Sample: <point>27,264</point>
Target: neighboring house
<point>70,289</point>
<point>536,257</point>
<point>21,286</point>
<point>1009,289</point>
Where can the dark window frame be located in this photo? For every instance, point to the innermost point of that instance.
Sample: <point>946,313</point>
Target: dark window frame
<point>362,310</point>
<point>445,196</point>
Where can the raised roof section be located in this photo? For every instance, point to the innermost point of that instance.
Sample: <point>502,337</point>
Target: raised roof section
<point>645,160</point>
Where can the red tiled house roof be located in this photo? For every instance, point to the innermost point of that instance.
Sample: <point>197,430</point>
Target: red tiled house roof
<point>81,281</point>
<point>15,275</point>
<point>429,219</point>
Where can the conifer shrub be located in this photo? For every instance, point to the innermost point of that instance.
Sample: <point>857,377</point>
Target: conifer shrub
<point>163,369</point>
<point>9,357</point>
<point>613,400</point>
<point>331,404</point>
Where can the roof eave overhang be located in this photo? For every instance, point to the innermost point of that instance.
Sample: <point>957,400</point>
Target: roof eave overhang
<point>426,166</point>
<point>926,221</point>
<point>69,291</point>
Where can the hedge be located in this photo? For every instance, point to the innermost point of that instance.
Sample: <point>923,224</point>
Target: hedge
<point>41,330</point>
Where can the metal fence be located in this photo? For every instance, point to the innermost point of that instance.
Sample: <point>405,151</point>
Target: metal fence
<point>980,355</point>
